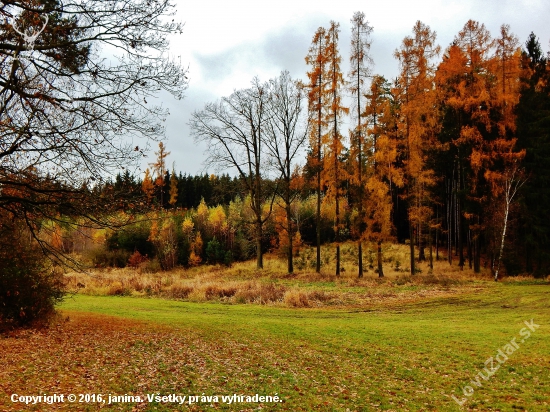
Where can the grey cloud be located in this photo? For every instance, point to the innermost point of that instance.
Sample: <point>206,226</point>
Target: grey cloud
<point>284,49</point>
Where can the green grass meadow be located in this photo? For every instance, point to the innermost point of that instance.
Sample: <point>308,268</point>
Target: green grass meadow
<point>400,356</point>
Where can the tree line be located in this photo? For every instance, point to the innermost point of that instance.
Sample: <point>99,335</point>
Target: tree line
<point>450,156</point>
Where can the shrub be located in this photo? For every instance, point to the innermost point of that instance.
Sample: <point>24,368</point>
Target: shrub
<point>136,259</point>
<point>101,257</point>
<point>228,258</point>
<point>214,251</point>
<point>29,288</point>
<point>131,238</point>
<point>152,266</point>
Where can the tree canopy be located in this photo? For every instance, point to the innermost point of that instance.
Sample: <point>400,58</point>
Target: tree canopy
<point>75,79</point>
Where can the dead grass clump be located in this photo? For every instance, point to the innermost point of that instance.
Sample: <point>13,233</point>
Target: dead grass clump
<point>217,291</point>
<point>178,292</point>
<point>118,289</point>
<point>136,283</point>
<point>253,292</point>
<point>321,296</point>
<point>297,298</point>
<point>401,280</point>
<point>153,287</point>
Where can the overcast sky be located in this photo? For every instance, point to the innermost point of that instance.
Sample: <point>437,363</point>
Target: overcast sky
<point>226,43</point>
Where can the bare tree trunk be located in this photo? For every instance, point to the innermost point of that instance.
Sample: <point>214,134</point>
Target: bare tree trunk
<point>437,234</point>
<point>507,208</point>
<point>450,225</point>
<point>511,188</point>
<point>379,255</point>
<point>258,211</point>
<point>469,248</point>
<point>259,254</point>
<point>411,243</point>
<point>431,250</point>
<point>460,223</point>
<point>318,264</point>
<point>421,244</point>
<point>289,230</point>
<point>477,254</point>
<point>337,235</point>
<point>360,258</point>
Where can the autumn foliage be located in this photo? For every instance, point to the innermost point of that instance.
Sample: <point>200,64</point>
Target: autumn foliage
<point>439,158</point>
<point>432,158</point>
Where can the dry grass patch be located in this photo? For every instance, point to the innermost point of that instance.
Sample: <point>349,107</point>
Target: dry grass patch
<point>244,283</point>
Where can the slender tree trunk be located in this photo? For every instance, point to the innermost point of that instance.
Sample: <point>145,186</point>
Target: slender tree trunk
<point>360,258</point>
<point>411,243</point>
<point>259,254</point>
<point>360,170</point>
<point>421,244</point>
<point>379,255</point>
<point>319,113</point>
<point>259,223</point>
<point>337,259</point>
<point>337,233</point>
<point>450,224</point>
<point>477,252</point>
<point>469,248</point>
<point>460,244</point>
<point>437,234</point>
<point>509,194</point>
<point>431,250</point>
<point>460,223</point>
<point>336,138</point>
<point>318,218</point>
<point>289,231</point>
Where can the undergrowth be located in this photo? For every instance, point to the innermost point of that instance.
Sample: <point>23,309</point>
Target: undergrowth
<point>243,283</point>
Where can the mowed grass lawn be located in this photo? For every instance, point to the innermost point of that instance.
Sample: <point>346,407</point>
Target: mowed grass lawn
<point>402,356</point>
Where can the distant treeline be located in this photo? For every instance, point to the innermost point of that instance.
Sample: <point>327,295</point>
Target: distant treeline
<point>214,189</point>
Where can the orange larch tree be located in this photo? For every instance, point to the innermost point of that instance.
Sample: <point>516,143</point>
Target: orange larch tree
<point>333,172</point>
<point>360,62</point>
<point>502,159</point>
<point>317,95</point>
<point>159,170</point>
<point>478,84</point>
<point>418,125</point>
<point>384,175</point>
<point>148,186</point>
<point>173,188</point>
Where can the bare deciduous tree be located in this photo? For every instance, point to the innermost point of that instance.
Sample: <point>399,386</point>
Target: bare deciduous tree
<point>232,129</point>
<point>286,134</point>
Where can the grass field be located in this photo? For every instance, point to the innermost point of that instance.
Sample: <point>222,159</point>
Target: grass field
<point>399,346</point>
